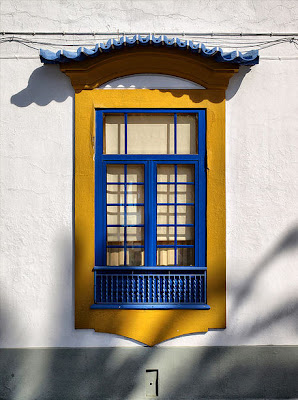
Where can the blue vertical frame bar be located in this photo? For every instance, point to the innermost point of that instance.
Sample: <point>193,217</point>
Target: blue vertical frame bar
<point>175,189</point>
<point>202,192</point>
<point>100,194</point>
<point>150,209</point>
<point>153,210</point>
<point>197,215</point>
<point>147,234</point>
<point>125,191</point>
<point>175,213</point>
<point>125,214</point>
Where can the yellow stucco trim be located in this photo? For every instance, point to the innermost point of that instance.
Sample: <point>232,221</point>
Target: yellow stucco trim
<point>149,326</point>
<point>93,72</point>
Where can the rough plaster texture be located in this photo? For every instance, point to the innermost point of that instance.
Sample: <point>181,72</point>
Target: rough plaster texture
<point>36,275</point>
<point>151,16</point>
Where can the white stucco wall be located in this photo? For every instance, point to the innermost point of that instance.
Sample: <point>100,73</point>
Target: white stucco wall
<point>36,106</point>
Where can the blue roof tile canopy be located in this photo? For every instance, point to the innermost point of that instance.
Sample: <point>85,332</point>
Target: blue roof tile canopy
<point>216,53</point>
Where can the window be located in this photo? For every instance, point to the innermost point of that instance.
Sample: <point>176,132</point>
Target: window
<point>88,71</point>
<point>155,325</point>
<point>150,209</point>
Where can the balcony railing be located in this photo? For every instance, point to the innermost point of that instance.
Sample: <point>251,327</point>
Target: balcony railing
<point>140,287</point>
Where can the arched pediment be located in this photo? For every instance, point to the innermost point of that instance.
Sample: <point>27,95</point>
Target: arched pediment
<point>89,69</point>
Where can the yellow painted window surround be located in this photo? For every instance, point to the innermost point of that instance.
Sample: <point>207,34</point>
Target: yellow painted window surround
<point>149,326</point>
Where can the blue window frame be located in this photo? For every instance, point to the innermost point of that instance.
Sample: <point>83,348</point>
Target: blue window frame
<point>141,278</point>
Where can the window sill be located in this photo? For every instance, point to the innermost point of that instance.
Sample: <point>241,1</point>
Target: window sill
<point>153,306</point>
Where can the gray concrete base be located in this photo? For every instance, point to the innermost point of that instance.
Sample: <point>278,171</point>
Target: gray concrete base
<point>246,372</point>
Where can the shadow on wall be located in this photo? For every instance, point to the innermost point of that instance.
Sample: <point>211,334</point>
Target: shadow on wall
<point>115,373</point>
<point>188,373</point>
<point>236,81</point>
<point>287,243</point>
<point>45,84</point>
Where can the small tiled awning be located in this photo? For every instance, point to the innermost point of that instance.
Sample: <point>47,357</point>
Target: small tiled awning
<point>216,53</point>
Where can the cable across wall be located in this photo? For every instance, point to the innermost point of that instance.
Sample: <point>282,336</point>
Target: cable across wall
<point>242,41</point>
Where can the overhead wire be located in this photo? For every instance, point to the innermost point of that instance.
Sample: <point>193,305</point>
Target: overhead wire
<point>244,43</point>
<point>122,33</point>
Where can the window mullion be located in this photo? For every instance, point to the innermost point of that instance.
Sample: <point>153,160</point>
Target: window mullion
<point>150,221</point>
<point>154,210</point>
<point>175,211</point>
<point>125,214</point>
<point>100,200</point>
<point>197,248</point>
<point>201,190</point>
<point>175,188</point>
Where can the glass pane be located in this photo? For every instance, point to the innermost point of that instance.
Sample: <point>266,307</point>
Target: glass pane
<point>165,193</point>
<point>115,257</point>
<point>165,173</point>
<point>150,133</point>
<point>185,235</point>
<point>185,256</point>
<point>135,215</point>
<point>113,134</point>
<point>135,257</point>
<point>135,236</point>
<point>115,215</point>
<point>166,256</point>
<point>185,194</point>
<point>135,194</point>
<point>187,133</point>
<point>185,173</point>
<point>165,214</point>
<point>115,236</point>
<point>165,235</point>
<point>115,173</point>
<point>135,173</point>
<point>115,194</point>
<point>185,215</point>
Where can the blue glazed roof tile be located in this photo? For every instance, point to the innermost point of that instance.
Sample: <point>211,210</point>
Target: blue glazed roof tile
<point>217,54</point>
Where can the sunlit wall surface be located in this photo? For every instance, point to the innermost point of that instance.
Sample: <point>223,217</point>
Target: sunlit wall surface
<point>36,275</point>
